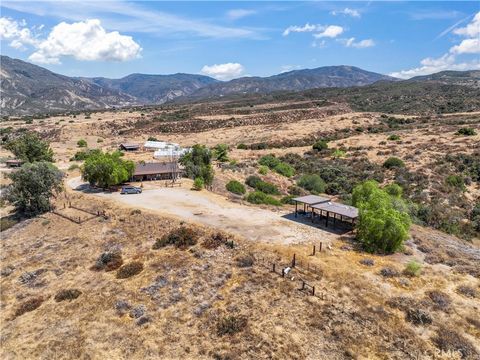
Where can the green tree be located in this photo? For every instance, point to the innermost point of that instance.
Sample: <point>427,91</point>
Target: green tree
<point>381,227</point>
<point>105,169</point>
<point>32,187</point>
<point>221,152</point>
<point>30,148</point>
<point>198,163</point>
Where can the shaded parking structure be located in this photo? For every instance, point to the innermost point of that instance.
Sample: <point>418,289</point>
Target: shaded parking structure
<point>326,209</point>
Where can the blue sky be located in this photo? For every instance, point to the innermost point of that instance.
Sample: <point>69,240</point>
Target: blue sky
<point>233,39</point>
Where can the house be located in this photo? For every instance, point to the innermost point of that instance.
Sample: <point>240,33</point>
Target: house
<point>14,163</point>
<point>129,147</point>
<point>157,171</point>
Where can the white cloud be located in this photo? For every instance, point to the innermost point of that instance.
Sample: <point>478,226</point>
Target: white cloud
<point>300,29</point>
<point>235,14</point>
<point>472,29</point>
<point>330,31</point>
<point>16,32</point>
<point>358,44</point>
<point>226,71</point>
<point>85,40</point>
<point>129,16</point>
<point>347,11</point>
<point>448,61</point>
<point>285,68</point>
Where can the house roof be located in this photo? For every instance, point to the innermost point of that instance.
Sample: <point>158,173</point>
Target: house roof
<point>129,145</point>
<point>311,199</point>
<point>160,145</point>
<point>156,168</point>
<point>337,208</point>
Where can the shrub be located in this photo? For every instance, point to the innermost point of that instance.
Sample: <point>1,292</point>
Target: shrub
<point>450,341</point>
<point>252,181</point>
<point>263,170</point>
<point>381,226</point>
<point>33,185</point>
<point>258,197</point>
<point>73,167</point>
<point>215,240</point>
<point>29,305</point>
<point>367,262</point>
<point>267,188</point>
<point>288,200</point>
<point>152,138</point>
<point>393,162</point>
<point>230,325</point>
<point>129,270</point>
<point>181,237</point>
<point>320,145</point>
<point>108,261</point>
<point>467,291</point>
<point>441,300</point>
<point>221,152</point>
<point>67,294</point>
<point>82,143</point>
<point>242,146</point>
<point>418,317</point>
<point>245,261</point>
<point>394,190</point>
<point>269,160</point>
<point>198,184</point>
<point>338,153</point>
<point>455,181</point>
<point>466,131</point>
<point>393,137</point>
<point>313,183</point>
<point>284,169</point>
<point>30,148</point>
<point>99,140</point>
<point>388,272</point>
<point>236,187</point>
<point>413,268</point>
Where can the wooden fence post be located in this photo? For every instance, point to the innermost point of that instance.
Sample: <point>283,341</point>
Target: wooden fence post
<point>283,272</point>
<point>320,248</point>
<point>313,290</point>
<point>293,261</point>
<point>313,252</point>
<point>273,267</point>
<point>303,285</point>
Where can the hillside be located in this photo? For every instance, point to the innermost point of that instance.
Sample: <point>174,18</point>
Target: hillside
<point>156,89</point>
<point>297,80</point>
<point>28,89</point>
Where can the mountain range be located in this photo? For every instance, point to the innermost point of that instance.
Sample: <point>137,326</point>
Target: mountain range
<point>28,89</point>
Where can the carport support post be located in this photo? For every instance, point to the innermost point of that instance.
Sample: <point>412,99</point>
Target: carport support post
<point>313,214</point>
<point>326,220</point>
<point>296,208</point>
<point>334,218</point>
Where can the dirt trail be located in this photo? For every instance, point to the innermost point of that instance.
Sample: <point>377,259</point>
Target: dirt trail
<point>214,210</point>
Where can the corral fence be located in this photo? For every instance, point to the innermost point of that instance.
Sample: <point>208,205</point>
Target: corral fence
<point>78,219</point>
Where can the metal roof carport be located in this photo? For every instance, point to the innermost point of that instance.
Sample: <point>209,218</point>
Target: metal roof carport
<point>308,201</point>
<point>330,207</point>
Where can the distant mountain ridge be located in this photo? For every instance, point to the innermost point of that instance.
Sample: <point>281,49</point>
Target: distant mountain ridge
<point>296,80</point>
<point>28,89</point>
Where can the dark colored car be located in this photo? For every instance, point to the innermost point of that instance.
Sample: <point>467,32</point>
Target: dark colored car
<point>131,190</point>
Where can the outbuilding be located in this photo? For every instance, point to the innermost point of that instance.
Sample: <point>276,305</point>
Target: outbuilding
<point>14,163</point>
<point>157,171</point>
<point>129,147</point>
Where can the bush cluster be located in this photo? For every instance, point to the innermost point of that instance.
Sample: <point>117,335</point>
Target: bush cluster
<point>236,187</point>
<point>313,183</point>
<point>258,197</point>
<point>466,131</point>
<point>393,162</point>
<point>129,270</point>
<point>181,237</point>
<point>277,165</point>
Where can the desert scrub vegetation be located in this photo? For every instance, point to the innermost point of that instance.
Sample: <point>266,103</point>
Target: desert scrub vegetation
<point>129,270</point>
<point>82,143</point>
<point>236,187</point>
<point>220,152</point>
<point>181,237</point>
<point>246,260</point>
<point>263,186</point>
<point>413,269</point>
<point>258,197</point>
<point>340,175</point>
<point>456,181</point>
<point>393,137</point>
<point>393,162</point>
<point>449,340</point>
<point>29,305</point>
<point>277,165</point>
<point>230,325</point>
<point>466,131</point>
<point>67,294</point>
<point>108,261</point>
<point>382,225</point>
<point>320,145</point>
<point>313,183</point>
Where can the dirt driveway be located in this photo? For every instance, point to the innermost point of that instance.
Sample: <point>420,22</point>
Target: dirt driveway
<point>214,210</point>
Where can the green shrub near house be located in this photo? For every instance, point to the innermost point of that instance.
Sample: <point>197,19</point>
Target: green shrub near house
<point>236,187</point>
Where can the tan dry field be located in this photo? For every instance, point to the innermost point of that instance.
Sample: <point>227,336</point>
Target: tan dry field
<point>364,306</point>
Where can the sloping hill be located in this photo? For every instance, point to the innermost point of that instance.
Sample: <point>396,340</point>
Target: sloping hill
<point>464,78</point>
<point>28,89</point>
<point>156,88</point>
<point>297,80</point>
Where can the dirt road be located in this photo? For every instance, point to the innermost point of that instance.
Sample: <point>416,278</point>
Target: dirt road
<point>213,210</point>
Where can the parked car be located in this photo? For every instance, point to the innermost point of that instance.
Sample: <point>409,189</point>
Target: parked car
<point>130,190</point>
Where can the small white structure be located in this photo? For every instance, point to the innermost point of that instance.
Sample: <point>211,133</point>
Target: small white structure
<point>160,145</point>
<point>170,154</point>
